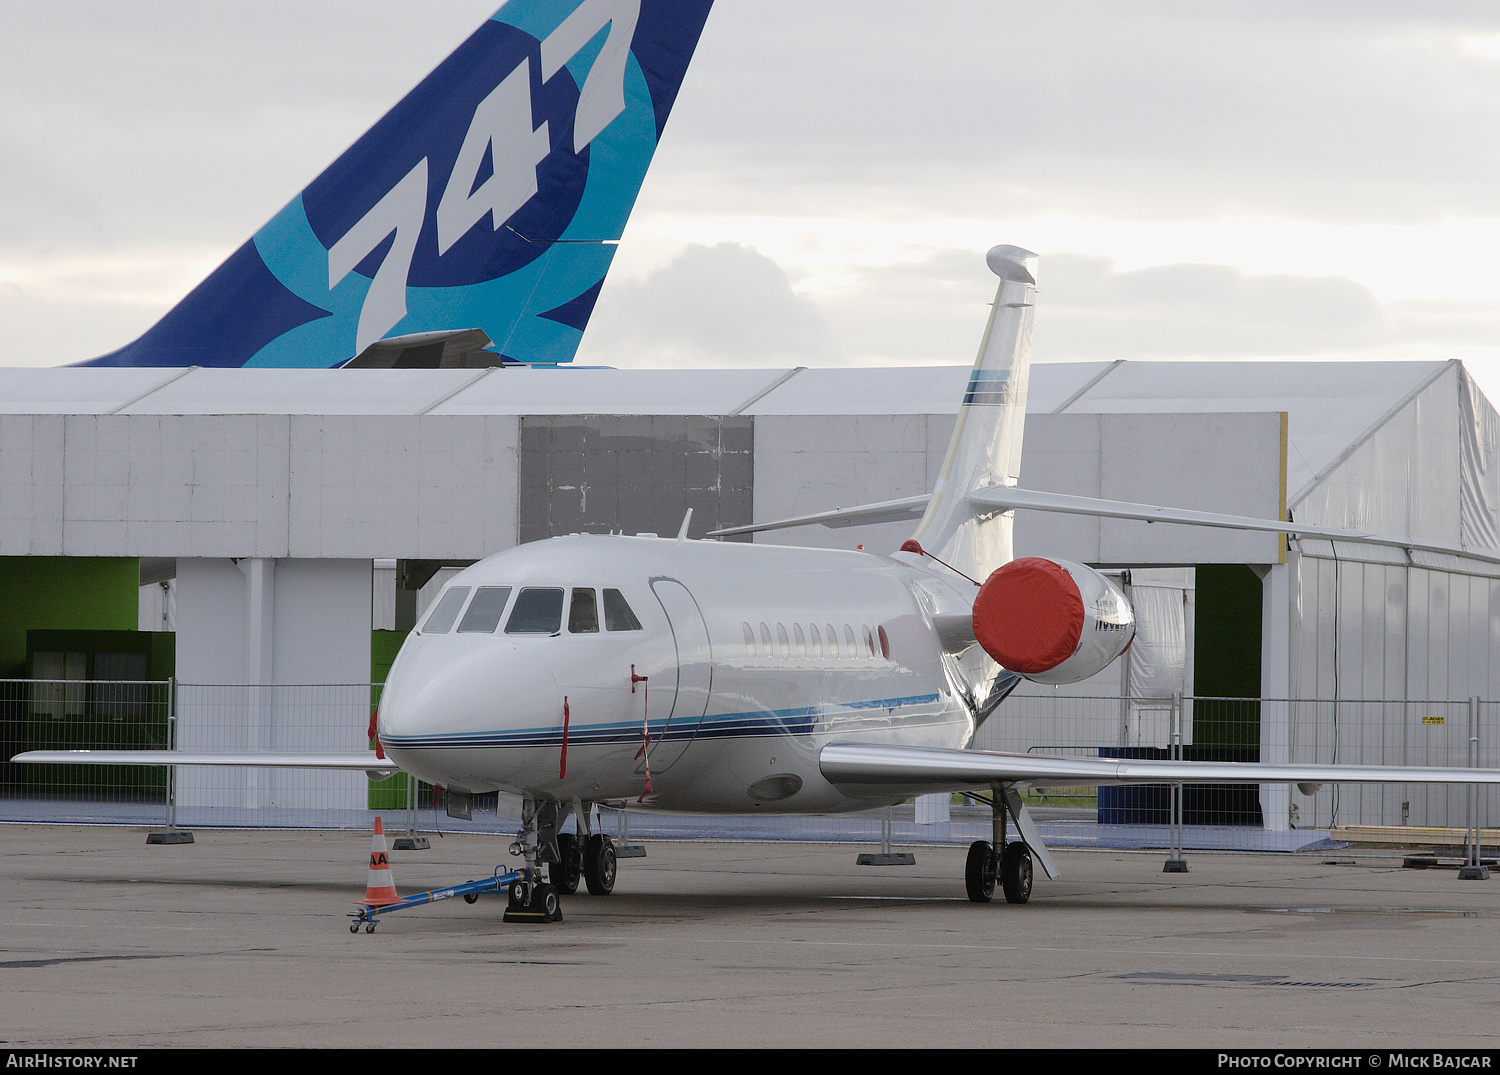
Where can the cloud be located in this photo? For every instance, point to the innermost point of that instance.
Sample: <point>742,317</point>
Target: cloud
<point>1351,112</point>
<point>1088,309</point>
<point>729,305</point>
<point>721,305</point>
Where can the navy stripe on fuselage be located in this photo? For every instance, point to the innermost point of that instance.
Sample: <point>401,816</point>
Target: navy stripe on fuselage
<point>799,721</point>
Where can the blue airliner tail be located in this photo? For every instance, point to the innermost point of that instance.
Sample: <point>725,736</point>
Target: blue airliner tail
<point>483,207</point>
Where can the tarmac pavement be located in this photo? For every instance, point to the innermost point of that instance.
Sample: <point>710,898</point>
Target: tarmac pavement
<point>240,939</point>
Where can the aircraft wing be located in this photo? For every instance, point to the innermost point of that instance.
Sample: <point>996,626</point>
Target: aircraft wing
<point>365,760</point>
<point>992,498</point>
<point>1009,497</point>
<point>881,770</point>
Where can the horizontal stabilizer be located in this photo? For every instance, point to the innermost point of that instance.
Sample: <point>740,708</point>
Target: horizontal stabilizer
<point>446,349</point>
<point>1006,498</point>
<point>919,770</point>
<point>355,760</point>
<point>910,507</point>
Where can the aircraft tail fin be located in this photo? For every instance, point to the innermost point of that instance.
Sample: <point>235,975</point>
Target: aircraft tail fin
<point>488,199</point>
<point>986,446</point>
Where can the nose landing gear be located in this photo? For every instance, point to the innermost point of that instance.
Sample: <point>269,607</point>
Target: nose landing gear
<point>589,857</point>
<point>533,903</point>
<point>531,900</point>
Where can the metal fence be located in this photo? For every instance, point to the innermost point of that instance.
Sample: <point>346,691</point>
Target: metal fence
<point>63,714</point>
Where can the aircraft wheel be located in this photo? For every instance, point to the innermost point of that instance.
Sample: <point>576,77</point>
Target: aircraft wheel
<point>1015,872</point>
<point>517,895</point>
<point>599,865</point>
<point>979,872</point>
<point>565,875</point>
<point>546,902</point>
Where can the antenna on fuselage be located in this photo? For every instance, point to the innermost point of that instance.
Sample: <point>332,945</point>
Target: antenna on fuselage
<point>682,534</point>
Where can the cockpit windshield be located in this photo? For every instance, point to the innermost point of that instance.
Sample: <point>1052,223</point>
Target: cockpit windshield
<point>484,611</point>
<point>617,613</point>
<point>538,611</point>
<point>440,622</point>
<point>583,614</point>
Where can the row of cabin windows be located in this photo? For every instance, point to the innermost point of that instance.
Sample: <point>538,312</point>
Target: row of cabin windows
<point>537,610</point>
<point>814,643</point>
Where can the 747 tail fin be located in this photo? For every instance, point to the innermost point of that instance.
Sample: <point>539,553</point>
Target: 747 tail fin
<point>488,199</point>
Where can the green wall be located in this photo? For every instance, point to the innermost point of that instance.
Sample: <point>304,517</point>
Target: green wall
<point>384,645</point>
<point>1226,655</point>
<point>74,593</point>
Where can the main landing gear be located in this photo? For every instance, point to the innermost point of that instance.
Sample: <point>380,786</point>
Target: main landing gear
<point>1012,866</point>
<point>587,858</point>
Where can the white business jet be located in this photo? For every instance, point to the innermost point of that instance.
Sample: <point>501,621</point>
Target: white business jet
<point>738,678</point>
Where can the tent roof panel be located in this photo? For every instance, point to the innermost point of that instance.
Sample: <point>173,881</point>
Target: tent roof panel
<point>1330,403</point>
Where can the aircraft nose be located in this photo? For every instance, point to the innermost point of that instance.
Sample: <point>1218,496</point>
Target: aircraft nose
<point>450,689</point>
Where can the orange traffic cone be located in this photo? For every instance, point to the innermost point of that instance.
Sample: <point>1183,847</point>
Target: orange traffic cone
<point>380,889</point>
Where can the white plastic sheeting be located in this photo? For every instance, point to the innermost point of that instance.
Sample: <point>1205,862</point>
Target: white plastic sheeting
<point>1478,467</point>
<point>1159,664</point>
<point>1368,637</point>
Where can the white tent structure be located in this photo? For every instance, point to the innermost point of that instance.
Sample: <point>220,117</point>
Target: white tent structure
<point>274,490</point>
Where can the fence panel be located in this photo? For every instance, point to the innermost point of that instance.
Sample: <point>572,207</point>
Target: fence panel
<point>73,713</point>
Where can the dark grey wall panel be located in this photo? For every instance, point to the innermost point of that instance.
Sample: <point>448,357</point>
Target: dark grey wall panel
<point>634,473</point>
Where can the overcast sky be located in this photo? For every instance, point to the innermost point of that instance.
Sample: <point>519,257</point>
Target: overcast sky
<point>1230,180</point>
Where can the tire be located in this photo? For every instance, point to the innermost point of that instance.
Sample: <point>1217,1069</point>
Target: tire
<point>547,901</point>
<point>979,872</point>
<point>517,895</point>
<point>1015,872</point>
<point>599,866</point>
<point>565,875</point>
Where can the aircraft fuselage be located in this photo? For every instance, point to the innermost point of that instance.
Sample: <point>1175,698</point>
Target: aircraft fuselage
<point>754,658</point>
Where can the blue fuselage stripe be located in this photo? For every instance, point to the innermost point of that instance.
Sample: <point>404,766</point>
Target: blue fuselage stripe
<point>799,721</point>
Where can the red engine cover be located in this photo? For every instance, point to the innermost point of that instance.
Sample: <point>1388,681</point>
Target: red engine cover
<point>1029,615</point>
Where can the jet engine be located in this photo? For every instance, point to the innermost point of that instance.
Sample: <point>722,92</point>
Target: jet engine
<point>1053,621</point>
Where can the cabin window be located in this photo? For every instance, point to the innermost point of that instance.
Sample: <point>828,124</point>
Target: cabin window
<point>765,640</point>
<point>617,613</point>
<point>849,645</point>
<point>786,646</point>
<point>583,613</point>
<point>440,620</point>
<point>885,643</point>
<point>833,640</point>
<point>749,640</point>
<point>801,639</point>
<point>484,611</point>
<point>869,641</point>
<point>817,640</point>
<point>538,611</point>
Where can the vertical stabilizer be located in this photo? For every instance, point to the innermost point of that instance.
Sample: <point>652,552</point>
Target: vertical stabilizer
<point>487,202</point>
<point>986,444</point>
